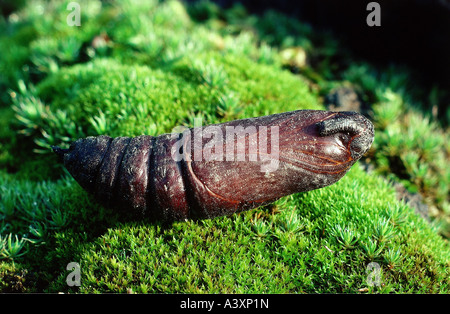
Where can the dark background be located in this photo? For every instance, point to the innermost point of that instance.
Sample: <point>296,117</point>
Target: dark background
<point>412,32</point>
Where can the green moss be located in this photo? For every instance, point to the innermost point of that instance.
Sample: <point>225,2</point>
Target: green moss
<point>410,146</point>
<point>146,67</point>
<point>299,251</point>
<point>13,278</point>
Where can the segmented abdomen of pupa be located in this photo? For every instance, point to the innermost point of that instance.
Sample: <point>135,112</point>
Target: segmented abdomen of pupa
<point>311,149</point>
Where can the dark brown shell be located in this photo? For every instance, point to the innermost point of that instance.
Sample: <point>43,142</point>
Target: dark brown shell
<point>315,149</point>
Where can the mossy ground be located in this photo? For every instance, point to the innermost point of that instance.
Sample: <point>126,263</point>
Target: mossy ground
<point>146,67</point>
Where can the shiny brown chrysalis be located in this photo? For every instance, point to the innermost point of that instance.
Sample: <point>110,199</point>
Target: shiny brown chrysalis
<point>220,169</point>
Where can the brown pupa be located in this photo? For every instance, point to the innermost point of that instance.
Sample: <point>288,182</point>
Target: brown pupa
<point>220,169</point>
